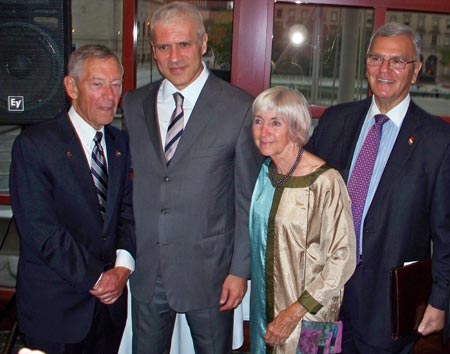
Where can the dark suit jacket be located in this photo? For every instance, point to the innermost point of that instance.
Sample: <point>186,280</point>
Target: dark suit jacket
<point>192,216</point>
<point>410,208</point>
<point>65,245</point>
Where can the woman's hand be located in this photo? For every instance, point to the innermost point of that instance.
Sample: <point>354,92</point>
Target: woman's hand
<point>282,326</point>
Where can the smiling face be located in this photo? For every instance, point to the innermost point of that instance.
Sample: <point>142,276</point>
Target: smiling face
<point>272,136</point>
<point>390,86</point>
<point>96,94</point>
<point>178,51</point>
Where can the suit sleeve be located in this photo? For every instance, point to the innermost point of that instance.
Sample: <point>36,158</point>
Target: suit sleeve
<point>126,236</point>
<point>440,229</point>
<point>247,164</point>
<point>45,241</point>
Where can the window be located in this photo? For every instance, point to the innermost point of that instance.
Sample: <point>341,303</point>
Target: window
<point>97,22</point>
<point>323,45</point>
<point>406,19</point>
<point>279,13</point>
<point>432,90</point>
<point>291,14</point>
<point>421,22</point>
<point>446,40</point>
<point>334,16</point>
<point>435,22</point>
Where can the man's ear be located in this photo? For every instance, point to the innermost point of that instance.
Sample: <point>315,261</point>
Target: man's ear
<point>417,67</point>
<point>153,50</point>
<point>71,87</point>
<point>204,43</point>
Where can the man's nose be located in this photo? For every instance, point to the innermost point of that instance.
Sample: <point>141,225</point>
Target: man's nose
<point>174,54</point>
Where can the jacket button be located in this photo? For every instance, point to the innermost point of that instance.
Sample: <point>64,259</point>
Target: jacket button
<point>164,211</point>
<point>166,178</point>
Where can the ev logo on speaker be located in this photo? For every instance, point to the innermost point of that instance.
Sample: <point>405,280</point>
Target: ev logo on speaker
<point>15,104</point>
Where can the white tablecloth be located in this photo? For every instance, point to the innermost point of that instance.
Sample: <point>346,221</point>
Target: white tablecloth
<point>181,339</point>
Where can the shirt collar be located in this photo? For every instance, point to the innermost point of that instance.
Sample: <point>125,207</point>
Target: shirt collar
<point>190,93</point>
<point>396,114</point>
<point>85,132</point>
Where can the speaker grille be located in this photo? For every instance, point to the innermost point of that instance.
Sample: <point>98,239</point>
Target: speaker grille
<point>32,61</point>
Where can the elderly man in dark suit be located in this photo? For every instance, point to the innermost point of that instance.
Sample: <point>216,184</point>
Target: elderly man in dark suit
<point>400,206</point>
<point>194,172</point>
<point>71,197</point>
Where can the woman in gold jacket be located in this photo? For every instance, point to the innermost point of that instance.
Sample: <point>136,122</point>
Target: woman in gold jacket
<point>302,237</point>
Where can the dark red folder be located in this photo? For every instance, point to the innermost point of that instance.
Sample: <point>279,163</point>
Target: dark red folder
<point>410,290</point>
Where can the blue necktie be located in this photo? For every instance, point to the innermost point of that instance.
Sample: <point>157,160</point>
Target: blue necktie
<point>99,172</point>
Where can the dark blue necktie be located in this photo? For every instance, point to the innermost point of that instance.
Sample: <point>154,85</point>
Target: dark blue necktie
<point>99,172</point>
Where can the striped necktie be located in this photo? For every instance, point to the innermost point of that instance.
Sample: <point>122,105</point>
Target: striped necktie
<point>176,127</point>
<point>99,172</point>
<point>358,184</point>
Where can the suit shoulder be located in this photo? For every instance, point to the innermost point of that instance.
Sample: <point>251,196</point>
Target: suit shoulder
<point>347,107</point>
<point>116,132</point>
<point>43,129</point>
<point>142,92</point>
<point>229,90</point>
<point>429,122</point>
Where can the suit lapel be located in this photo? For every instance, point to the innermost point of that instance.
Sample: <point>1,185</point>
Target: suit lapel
<point>150,115</point>
<point>354,120</point>
<point>400,154</point>
<point>203,111</point>
<point>115,161</point>
<point>76,159</point>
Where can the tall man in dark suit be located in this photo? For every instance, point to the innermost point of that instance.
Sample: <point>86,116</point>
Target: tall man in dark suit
<point>191,203</point>
<point>77,237</point>
<point>407,210</point>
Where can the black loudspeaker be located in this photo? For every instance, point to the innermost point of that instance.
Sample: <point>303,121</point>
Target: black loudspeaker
<point>35,41</point>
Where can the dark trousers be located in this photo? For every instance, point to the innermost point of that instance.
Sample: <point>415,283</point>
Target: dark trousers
<point>211,330</point>
<point>104,337</point>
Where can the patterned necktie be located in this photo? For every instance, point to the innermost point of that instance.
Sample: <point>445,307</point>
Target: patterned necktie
<point>358,185</point>
<point>176,127</point>
<point>99,172</point>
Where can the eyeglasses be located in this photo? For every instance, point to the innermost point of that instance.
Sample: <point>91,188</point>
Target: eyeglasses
<point>393,63</point>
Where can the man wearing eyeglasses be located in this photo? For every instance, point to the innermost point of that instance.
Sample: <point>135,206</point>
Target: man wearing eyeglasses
<point>395,158</point>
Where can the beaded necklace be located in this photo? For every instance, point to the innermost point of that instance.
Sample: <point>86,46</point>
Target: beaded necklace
<point>284,179</point>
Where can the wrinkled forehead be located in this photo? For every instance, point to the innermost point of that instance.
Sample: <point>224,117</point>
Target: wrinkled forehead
<point>401,45</point>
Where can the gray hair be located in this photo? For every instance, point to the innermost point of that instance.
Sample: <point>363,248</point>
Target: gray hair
<point>289,104</point>
<point>175,11</point>
<point>79,57</point>
<point>393,29</point>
